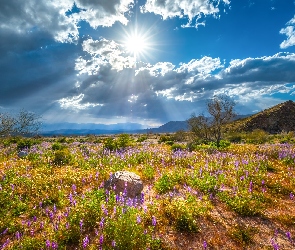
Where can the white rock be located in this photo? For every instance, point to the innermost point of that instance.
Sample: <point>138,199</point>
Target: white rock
<point>125,179</point>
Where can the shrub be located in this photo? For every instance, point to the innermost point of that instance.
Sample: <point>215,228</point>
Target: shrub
<point>176,147</point>
<point>62,157</point>
<point>57,146</point>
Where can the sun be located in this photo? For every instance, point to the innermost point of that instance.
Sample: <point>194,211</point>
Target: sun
<point>135,44</point>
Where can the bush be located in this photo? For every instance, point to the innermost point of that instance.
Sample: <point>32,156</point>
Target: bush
<point>165,138</point>
<point>110,144</point>
<point>257,136</point>
<point>62,157</point>
<point>26,143</point>
<point>57,146</point>
<point>142,138</point>
<point>176,147</point>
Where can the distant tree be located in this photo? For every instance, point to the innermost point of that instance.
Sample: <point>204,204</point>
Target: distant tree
<point>221,111</point>
<point>24,123</point>
<point>221,108</point>
<point>200,126</point>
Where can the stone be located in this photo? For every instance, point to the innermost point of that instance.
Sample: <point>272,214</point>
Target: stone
<point>22,154</point>
<point>125,179</point>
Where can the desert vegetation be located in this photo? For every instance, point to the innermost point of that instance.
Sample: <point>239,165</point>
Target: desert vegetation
<point>237,195</point>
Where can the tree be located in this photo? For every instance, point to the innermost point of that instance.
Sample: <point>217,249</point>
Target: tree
<point>221,110</point>
<point>200,126</point>
<point>24,123</point>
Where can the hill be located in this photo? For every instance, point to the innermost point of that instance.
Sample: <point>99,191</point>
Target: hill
<point>273,120</point>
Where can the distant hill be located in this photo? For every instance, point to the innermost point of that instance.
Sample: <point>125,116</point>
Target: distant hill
<point>170,127</point>
<point>273,120</point>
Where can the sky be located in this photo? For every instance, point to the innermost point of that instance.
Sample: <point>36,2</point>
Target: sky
<point>145,61</point>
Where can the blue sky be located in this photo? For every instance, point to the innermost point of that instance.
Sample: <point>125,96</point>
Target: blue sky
<point>146,61</point>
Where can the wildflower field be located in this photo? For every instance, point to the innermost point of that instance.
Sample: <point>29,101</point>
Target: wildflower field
<point>240,197</point>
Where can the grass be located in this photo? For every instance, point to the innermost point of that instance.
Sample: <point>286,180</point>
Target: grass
<point>54,198</point>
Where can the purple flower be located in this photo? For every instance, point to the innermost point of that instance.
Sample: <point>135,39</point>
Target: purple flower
<point>81,225</point>
<point>274,244</point>
<point>85,242</point>
<point>4,232</point>
<point>47,244</point>
<point>18,235</point>
<point>113,243</point>
<point>205,244</point>
<point>101,239</point>
<point>291,196</point>
<point>154,221</point>
<point>101,223</point>
<point>138,219</point>
<point>5,243</point>
<point>288,234</point>
<point>251,187</point>
<point>54,245</point>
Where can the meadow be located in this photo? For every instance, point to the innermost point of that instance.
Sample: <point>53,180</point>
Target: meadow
<point>237,197</point>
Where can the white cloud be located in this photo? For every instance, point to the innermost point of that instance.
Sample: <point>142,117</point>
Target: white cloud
<point>201,67</point>
<point>183,9</point>
<point>104,13</point>
<point>49,16</point>
<point>75,103</point>
<point>103,52</point>
<point>53,16</point>
<point>289,31</point>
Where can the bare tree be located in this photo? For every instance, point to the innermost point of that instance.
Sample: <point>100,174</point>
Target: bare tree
<point>221,111</point>
<point>24,123</point>
<point>221,108</point>
<point>200,126</point>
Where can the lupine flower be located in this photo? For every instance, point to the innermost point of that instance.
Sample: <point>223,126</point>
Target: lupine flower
<point>138,219</point>
<point>101,239</point>
<point>288,234</point>
<point>81,225</point>
<point>17,235</point>
<point>205,244</point>
<point>85,242</point>
<point>113,243</point>
<point>154,221</point>
<point>291,196</point>
<point>54,245</point>
<point>101,224</point>
<point>4,232</point>
<point>251,187</point>
<point>48,244</point>
<point>274,244</point>
<point>5,243</point>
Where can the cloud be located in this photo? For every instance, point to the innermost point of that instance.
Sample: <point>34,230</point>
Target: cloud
<point>30,16</point>
<point>57,17</point>
<point>160,89</point>
<point>189,9</point>
<point>103,52</point>
<point>104,13</point>
<point>289,31</point>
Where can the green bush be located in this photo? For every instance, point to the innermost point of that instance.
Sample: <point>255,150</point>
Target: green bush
<point>57,146</point>
<point>26,143</point>
<point>165,138</point>
<point>142,138</point>
<point>62,157</point>
<point>176,147</point>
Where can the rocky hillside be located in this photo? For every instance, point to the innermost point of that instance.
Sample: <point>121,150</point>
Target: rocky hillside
<point>273,120</point>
